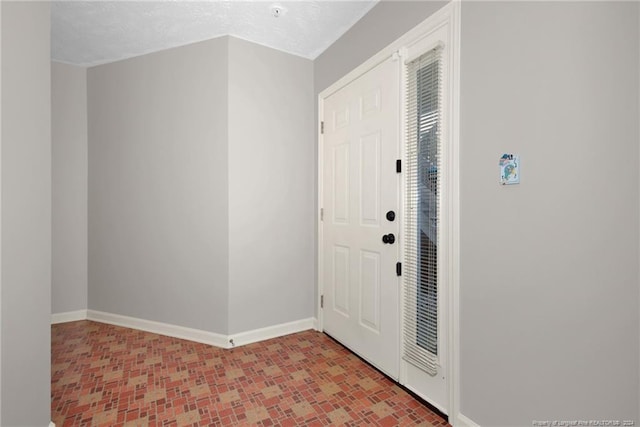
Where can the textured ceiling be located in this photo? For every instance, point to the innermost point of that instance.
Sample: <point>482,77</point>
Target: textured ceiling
<point>95,32</point>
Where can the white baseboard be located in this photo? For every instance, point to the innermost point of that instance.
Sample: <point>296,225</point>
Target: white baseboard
<point>262,334</point>
<point>69,316</point>
<point>160,328</point>
<point>462,421</point>
<point>198,335</point>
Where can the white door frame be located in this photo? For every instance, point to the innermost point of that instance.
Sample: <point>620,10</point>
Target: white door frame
<point>448,16</point>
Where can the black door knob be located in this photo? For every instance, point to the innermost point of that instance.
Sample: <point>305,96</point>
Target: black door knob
<point>391,215</point>
<point>389,238</point>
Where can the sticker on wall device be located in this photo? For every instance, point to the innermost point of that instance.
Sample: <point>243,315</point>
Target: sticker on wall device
<point>509,169</point>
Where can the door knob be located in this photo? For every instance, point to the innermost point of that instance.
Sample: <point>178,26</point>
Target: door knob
<point>391,215</point>
<point>389,238</point>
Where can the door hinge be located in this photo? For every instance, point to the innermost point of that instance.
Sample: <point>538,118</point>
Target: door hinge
<point>398,166</point>
<point>322,128</point>
<point>321,214</point>
<point>321,301</point>
<point>398,269</point>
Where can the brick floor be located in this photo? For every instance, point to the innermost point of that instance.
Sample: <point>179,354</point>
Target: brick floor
<point>104,375</point>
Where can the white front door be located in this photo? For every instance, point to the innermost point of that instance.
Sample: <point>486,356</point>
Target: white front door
<point>360,198</point>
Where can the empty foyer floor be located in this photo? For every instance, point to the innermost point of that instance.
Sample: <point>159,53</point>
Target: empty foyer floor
<point>104,375</point>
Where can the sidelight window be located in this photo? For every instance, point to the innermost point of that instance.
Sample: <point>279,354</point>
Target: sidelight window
<point>424,122</point>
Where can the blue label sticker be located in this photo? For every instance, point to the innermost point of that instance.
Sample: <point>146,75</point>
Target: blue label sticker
<point>509,169</point>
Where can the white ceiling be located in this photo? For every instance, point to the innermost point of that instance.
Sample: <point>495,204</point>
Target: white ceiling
<point>89,33</point>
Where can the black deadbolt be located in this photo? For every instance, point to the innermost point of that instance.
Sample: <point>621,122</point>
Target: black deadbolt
<point>389,238</point>
<point>391,215</point>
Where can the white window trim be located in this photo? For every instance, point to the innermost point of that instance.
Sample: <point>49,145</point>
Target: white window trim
<point>441,34</point>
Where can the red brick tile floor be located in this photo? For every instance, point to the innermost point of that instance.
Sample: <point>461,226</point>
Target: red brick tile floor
<point>104,375</point>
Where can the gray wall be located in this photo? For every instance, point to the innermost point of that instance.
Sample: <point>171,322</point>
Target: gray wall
<point>201,195</point>
<point>549,281</point>
<point>158,201</point>
<point>69,198</point>
<point>381,26</point>
<point>271,187</point>
<point>549,327</point>
<point>26,214</point>
<point>0,211</point>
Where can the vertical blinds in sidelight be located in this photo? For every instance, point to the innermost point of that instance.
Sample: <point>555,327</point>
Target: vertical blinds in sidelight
<point>424,116</point>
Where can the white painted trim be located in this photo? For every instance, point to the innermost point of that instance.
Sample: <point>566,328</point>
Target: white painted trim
<point>52,424</point>
<point>256,335</point>
<point>422,396</point>
<point>320,230</point>
<point>198,335</point>
<point>450,13</point>
<point>463,421</point>
<point>454,272</point>
<point>69,316</point>
<point>160,328</point>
